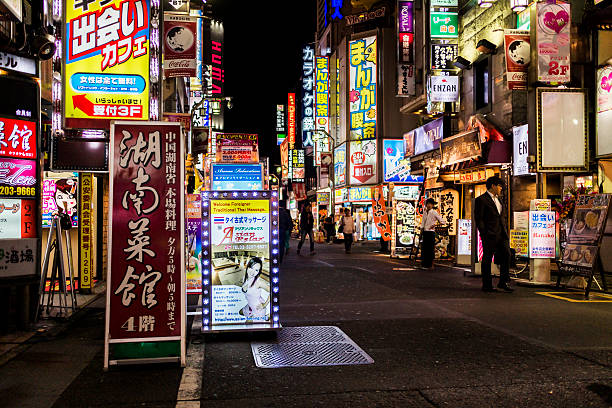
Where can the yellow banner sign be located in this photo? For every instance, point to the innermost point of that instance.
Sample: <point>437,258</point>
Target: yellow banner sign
<point>106,56</point>
<point>239,206</point>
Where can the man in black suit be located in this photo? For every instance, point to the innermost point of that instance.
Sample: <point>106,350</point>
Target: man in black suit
<point>490,220</point>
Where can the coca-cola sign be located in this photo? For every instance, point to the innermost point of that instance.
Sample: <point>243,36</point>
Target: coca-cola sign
<point>180,44</point>
<point>17,178</point>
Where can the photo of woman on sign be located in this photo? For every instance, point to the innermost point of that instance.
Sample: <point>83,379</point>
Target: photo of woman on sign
<point>257,297</point>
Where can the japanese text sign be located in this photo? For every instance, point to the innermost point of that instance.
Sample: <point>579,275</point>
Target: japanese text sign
<point>519,241</point>
<point>307,92</point>
<point>443,55</point>
<point>17,138</point>
<point>17,218</point>
<point>106,59</point>
<point>359,194</point>
<point>237,148</point>
<point>340,165</point>
<point>518,49</point>
<point>448,201</point>
<point>542,234</point>
<point>297,163</point>
<point>18,64</point>
<point>180,33</point>
<point>280,118</point>
<point>444,24</point>
<point>405,224</point>
<point>18,178</point>
<point>291,119</point>
<point>284,155</point>
<point>322,94</point>
<point>18,257</point>
<point>406,80</point>
<point>553,41</point>
<point>363,162</point>
<point>237,177</point>
<point>464,237</point>
<point>461,147</point>
<point>146,241</point>
<point>381,220</point>
<point>362,92</point>
<point>86,231</point>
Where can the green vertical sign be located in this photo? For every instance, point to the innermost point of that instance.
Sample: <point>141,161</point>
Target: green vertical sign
<point>444,24</point>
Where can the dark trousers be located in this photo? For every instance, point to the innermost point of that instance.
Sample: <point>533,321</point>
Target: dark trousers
<point>427,249</point>
<point>331,233</point>
<point>282,239</point>
<point>348,241</point>
<point>501,250</point>
<point>303,234</point>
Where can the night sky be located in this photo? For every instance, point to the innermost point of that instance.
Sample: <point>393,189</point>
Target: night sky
<point>262,61</point>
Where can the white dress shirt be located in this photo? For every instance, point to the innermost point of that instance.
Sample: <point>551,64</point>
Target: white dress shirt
<point>430,218</point>
<point>496,201</point>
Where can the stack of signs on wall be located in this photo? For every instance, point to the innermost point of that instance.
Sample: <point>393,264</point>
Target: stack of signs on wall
<point>180,34</point>
<point>321,138</point>
<point>518,55</point>
<point>404,201</point>
<point>443,84</point>
<point>363,89</point>
<point>405,49</point>
<point>583,241</point>
<point>193,275</point>
<point>363,162</point>
<point>146,284</point>
<point>18,190</point>
<point>308,70</point>
<point>237,148</point>
<point>244,271</point>
<point>106,62</point>
<point>553,41</point>
<point>381,219</point>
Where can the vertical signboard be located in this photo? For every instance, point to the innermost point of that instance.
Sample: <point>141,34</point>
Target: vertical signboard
<point>281,133</point>
<point>106,58</point>
<point>180,35</point>
<point>553,41</point>
<point>321,138</point>
<point>340,165</point>
<point>542,238</point>
<point>405,80</point>
<point>363,162</point>
<point>518,55</point>
<point>214,44</point>
<point>291,119</point>
<point>362,92</point>
<point>604,110</point>
<point>521,150</point>
<point>307,91</point>
<point>146,281</point>
<point>193,275</point>
<point>86,232</point>
<point>405,48</point>
<point>381,219</point>
<point>284,153</point>
<point>297,164</point>
<point>240,265</point>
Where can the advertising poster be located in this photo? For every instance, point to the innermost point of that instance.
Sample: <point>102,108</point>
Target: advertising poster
<point>359,194</point>
<point>18,178</point>
<point>444,88</point>
<point>590,216</point>
<point>363,162</point>
<point>553,40</point>
<point>443,55</point>
<point>604,110</point>
<point>464,237</point>
<point>405,224</point>
<point>18,257</point>
<point>444,24</point>
<point>427,137</point>
<point>406,82</point>
<point>519,241</point>
<point>17,138</point>
<point>237,177</point>
<point>521,150</point>
<point>291,119</point>
<point>542,234</point>
<point>340,165</point>
<point>322,94</point>
<point>60,193</point>
<point>447,201</point>
<point>462,147</point>
<point>297,163</point>
<point>518,55</point>
<point>240,235</point>
<point>362,92</point>
<point>237,148</point>
<point>307,93</point>
<point>146,285</point>
<point>193,276</point>
<point>106,57</point>
<point>180,33</point>
<point>381,219</point>
<point>395,166</point>
<point>86,231</point>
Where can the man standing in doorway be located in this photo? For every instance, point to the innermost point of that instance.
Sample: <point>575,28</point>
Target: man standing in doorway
<point>490,219</point>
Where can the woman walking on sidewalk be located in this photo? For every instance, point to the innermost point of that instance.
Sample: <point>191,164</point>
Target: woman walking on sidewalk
<point>430,219</point>
<point>347,227</point>
<point>306,225</point>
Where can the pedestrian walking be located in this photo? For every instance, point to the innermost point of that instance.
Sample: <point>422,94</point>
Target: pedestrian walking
<point>428,241</point>
<point>330,230</point>
<point>306,225</point>
<point>347,227</point>
<point>285,225</point>
<point>490,219</point>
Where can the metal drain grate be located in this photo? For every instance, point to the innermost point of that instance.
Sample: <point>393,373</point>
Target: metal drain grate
<point>309,346</point>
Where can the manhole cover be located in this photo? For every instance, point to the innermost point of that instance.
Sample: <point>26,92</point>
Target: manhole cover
<point>309,346</point>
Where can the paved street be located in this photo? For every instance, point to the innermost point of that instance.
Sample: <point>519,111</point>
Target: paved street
<point>436,339</point>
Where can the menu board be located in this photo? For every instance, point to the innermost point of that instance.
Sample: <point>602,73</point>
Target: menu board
<point>542,234</point>
<point>405,224</point>
<point>583,256</point>
<point>589,219</point>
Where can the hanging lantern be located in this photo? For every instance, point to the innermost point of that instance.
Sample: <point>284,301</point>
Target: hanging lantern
<point>485,3</point>
<point>518,5</point>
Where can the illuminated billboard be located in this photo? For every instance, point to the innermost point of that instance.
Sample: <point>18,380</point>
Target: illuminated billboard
<point>362,93</point>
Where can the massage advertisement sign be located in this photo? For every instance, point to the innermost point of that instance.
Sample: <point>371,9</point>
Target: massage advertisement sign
<point>553,41</point>
<point>106,57</point>
<point>362,92</point>
<point>237,177</point>
<point>237,148</point>
<point>240,273</point>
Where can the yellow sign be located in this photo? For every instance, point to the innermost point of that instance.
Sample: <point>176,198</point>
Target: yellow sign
<point>519,241</point>
<point>239,206</point>
<point>86,230</point>
<point>106,57</point>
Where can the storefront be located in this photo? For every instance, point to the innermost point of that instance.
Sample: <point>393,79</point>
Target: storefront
<point>360,200</point>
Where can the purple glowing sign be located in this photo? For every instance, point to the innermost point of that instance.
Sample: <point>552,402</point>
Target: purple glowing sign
<point>405,17</point>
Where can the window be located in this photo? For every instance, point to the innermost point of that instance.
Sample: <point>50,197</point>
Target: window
<point>482,85</point>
